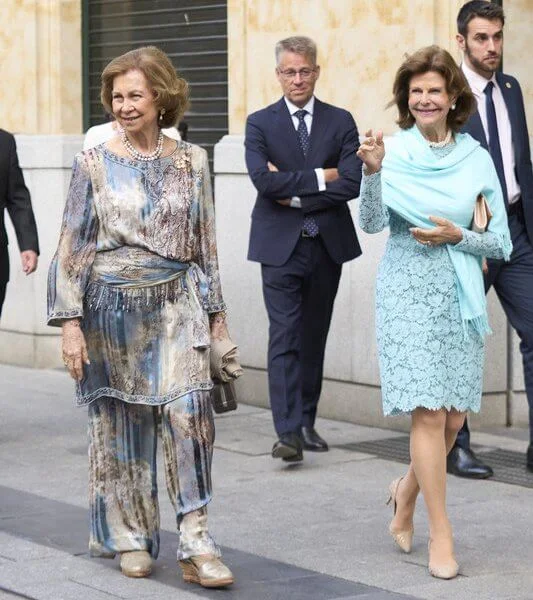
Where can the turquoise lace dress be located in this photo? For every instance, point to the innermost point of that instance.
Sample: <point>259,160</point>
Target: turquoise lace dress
<point>425,359</point>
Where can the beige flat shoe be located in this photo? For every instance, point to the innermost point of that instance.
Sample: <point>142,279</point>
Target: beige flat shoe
<point>447,570</point>
<point>404,539</point>
<point>207,570</point>
<point>137,563</point>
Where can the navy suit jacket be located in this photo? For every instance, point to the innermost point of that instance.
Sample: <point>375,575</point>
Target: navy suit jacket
<point>271,136</point>
<point>15,197</point>
<point>514,101</point>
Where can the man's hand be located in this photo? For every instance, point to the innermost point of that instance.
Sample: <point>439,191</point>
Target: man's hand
<point>445,232</point>
<point>330,175</point>
<point>29,261</point>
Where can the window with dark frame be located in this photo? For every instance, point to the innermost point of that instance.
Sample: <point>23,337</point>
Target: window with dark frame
<point>192,32</point>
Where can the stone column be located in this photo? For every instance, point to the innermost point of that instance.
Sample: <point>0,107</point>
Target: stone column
<point>41,101</point>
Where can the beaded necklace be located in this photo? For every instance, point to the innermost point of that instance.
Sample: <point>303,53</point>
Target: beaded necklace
<point>134,153</point>
<point>444,142</point>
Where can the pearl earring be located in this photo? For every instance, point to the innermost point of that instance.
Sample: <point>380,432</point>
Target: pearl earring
<point>453,106</point>
<point>163,111</point>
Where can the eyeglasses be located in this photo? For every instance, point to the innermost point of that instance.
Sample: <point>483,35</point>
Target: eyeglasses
<point>290,74</point>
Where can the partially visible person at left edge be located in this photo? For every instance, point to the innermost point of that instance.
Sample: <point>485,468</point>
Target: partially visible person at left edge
<point>14,196</point>
<point>300,157</point>
<point>500,125</point>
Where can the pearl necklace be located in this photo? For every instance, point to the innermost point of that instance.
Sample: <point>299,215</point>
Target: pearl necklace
<point>444,142</point>
<point>134,153</point>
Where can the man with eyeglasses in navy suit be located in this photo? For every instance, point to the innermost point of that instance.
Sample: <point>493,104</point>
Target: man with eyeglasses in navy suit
<point>300,155</point>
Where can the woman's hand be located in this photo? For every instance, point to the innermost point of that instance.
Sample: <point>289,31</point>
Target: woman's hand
<point>219,329</point>
<point>445,232</point>
<point>74,348</point>
<point>372,152</point>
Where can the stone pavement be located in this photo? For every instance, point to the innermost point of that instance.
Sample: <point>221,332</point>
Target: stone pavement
<point>317,531</point>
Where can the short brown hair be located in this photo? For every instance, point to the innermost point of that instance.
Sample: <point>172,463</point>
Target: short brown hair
<point>171,91</point>
<point>478,8</point>
<point>438,60</point>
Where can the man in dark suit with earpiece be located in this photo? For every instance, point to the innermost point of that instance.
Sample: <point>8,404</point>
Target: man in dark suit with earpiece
<point>500,126</point>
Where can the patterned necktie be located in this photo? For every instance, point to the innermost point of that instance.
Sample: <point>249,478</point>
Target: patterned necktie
<point>309,226</point>
<point>494,139</point>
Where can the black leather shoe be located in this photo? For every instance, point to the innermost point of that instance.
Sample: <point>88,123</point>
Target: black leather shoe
<point>529,458</point>
<point>464,463</point>
<point>288,447</point>
<point>312,441</point>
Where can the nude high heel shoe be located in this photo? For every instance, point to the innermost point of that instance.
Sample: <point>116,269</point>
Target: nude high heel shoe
<point>404,539</point>
<point>447,570</point>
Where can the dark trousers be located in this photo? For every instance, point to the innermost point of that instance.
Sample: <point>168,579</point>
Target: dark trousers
<point>513,283</point>
<point>4,274</point>
<point>299,299</point>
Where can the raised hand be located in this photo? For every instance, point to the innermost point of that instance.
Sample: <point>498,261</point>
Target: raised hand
<point>372,152</point>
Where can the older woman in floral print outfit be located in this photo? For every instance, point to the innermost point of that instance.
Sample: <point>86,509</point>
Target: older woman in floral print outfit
<point>135,287</point>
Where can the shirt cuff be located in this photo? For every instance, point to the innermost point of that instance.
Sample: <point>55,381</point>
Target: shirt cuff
<point>296,202</point>
<point>321,179</point>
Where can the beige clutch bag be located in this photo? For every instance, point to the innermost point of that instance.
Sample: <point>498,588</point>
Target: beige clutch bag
<point>482,215</point>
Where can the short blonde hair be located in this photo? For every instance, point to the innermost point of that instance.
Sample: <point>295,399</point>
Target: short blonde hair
<point>171,91</point>
<point>299,44</point>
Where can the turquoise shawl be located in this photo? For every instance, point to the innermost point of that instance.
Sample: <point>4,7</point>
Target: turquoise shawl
<point>418,184</point>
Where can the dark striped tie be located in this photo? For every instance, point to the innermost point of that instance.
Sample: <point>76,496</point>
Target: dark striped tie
<point>309,226</point>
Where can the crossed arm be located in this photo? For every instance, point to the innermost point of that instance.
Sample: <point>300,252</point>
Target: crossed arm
<point>342,181</point>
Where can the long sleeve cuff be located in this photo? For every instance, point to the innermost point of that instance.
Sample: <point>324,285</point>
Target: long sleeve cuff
<point>320,179</point>
<point>296,202</point>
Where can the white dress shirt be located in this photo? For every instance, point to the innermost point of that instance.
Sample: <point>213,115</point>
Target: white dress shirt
<point>308,120</point>
<point>478,84</point>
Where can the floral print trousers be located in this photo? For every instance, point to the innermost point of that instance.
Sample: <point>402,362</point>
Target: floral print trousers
<point>123,479</point>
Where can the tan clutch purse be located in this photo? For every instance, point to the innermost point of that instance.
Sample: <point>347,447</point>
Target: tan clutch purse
<point>482,215</point>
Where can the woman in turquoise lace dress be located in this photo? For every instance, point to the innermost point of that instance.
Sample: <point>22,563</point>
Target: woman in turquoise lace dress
<point>134,285</point>
<point>430,304</point>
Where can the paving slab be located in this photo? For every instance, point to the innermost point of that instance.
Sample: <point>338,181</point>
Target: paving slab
<point>317,530</point>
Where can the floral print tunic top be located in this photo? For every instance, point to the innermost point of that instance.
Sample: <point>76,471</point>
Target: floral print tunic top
<point>137,263</point>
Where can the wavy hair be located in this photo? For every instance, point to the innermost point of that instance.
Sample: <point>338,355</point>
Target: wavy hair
<point>171,92</point>
<point>438,60</point>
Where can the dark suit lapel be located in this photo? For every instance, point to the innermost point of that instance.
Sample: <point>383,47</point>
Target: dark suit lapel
<point>318,131</point>
<point>285,129</point>
<point>510,102</point>
<point>475,129</point>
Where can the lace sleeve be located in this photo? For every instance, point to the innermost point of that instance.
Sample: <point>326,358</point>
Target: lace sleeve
<point>488,244</point>
<point>373,216</point>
